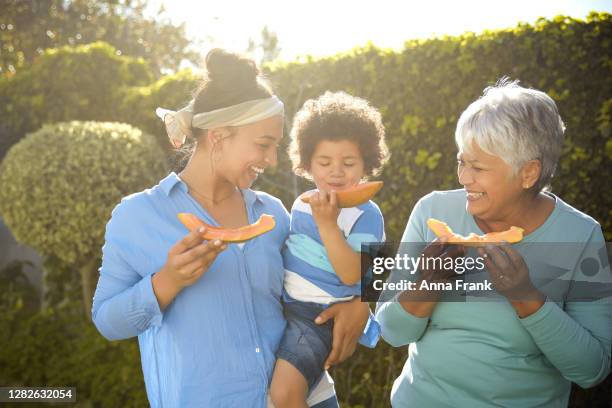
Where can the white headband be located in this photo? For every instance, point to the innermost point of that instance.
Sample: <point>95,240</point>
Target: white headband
<point>179,123</point>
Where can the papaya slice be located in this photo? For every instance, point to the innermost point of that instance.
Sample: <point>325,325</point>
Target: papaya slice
<point>353,196</point>
<point>264,224</point>
<point>441,229</point>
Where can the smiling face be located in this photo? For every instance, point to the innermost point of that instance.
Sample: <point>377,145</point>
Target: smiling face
<point>336,165</point>
<point>491,186</point>
<point>249,151</point>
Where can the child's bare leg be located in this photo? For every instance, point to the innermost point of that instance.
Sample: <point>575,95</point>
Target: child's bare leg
<point>289,387</point>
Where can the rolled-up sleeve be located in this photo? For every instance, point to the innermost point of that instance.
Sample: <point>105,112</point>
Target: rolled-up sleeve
<point>124,303</point>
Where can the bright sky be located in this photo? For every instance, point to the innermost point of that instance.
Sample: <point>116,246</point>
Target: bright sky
<point>323,27</point>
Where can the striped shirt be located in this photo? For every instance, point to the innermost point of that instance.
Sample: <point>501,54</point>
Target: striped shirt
<point>309,275</point>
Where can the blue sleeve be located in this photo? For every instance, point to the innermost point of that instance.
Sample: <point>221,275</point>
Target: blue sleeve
<point>576,339</point>
<point>124,303</point>
<point>369,227</point>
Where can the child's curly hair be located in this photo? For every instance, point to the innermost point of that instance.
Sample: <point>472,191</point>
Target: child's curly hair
<point>338,116</point>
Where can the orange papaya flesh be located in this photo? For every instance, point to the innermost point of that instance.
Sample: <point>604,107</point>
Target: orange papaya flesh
<point>353,196</point>
<point>264,224</point>
<point>441,229</point>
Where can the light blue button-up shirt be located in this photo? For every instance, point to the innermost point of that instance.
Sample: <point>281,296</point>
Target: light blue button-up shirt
<point>215,344</point>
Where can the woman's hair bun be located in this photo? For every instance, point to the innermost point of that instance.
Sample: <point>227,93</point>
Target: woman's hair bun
<point>230,79</point>
<point>226,67</point>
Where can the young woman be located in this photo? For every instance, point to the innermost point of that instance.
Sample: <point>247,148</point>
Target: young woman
<point>208,315</point>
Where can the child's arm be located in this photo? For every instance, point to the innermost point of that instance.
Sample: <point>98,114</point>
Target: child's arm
<point>345,261</point>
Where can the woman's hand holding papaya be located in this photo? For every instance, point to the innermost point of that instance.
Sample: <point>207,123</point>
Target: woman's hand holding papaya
<point>439,249</point>
<point>187,261</point>
<point>421,303</point>
<point>510,276</point>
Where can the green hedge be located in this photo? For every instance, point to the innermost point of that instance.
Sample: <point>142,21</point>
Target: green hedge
<point>139,102</point>
<point>59,348</point>
<point>89,82</point>
<point>423,89</point>
<point>69,83</point>
<point>61,182</point>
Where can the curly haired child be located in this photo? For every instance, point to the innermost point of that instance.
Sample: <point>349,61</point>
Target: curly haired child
<point>337,140</point>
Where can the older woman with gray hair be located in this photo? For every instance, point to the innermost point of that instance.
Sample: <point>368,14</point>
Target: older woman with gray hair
<point>525,342</point>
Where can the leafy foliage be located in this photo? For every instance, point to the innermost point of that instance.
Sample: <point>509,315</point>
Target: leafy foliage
<point>422,90</point>
<point>59,348</point>
<point>15,288</point>
<point>30,27</point>
<point>138,103</point>
<point>268,46</point>
<point>60,183</point>
<point>69,83</point>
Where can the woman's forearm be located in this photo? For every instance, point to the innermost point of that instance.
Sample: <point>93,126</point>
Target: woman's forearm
<point>525,308</point>
<point>165,289</point>
<point>576,341</point>
<point>420,303</point>
<point>404,319</point>
<point>124,309</point>
<point>398,326</point>
<point>345,261</point>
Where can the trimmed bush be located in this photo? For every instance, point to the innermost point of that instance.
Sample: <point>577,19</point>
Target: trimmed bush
<point>60,183</point>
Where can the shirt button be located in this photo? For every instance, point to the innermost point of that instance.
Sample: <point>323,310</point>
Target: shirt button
<point>257,350</point>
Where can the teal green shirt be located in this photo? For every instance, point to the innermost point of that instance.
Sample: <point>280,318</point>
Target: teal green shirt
<point>480,353</point>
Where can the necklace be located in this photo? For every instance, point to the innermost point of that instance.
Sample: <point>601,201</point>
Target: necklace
<point>218,201</point>
<point>207,198</point>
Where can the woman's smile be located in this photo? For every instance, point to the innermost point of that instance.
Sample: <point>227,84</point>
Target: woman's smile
<point>255,171</point>
<point>474,195</point>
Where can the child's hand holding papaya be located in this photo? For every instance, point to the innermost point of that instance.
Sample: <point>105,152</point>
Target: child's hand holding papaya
<point>325,209</point>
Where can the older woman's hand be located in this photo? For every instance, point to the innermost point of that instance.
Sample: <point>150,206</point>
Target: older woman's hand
<point>350,319</point>
<point>510,276</point>
<point>421,302</point>
<point>439,249</point>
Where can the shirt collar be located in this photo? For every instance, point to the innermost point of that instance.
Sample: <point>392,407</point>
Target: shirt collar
<point>172,180</point>
<point>250,197</point>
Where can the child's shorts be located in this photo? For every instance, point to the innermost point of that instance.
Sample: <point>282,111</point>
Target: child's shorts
<point>305,344</point>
